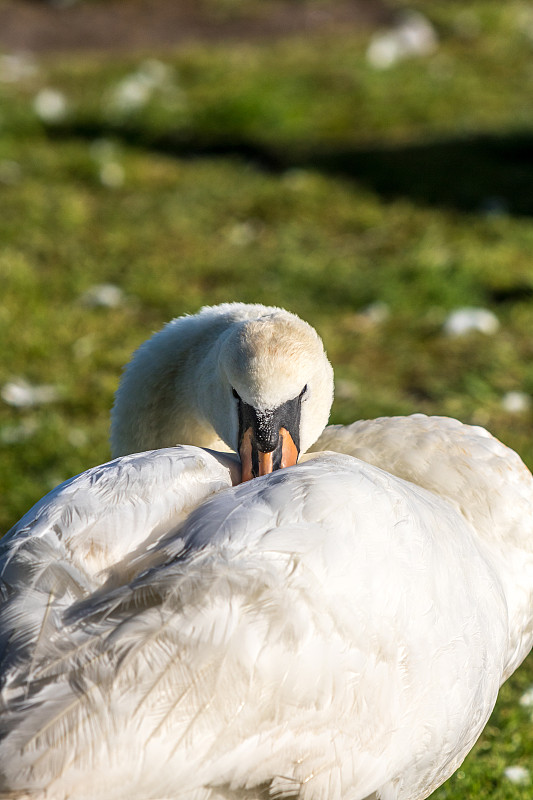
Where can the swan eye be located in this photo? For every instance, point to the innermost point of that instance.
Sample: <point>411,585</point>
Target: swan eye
<point>235,395</point>
<point>304,391</point>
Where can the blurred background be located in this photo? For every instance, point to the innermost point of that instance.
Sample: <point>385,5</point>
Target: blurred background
<point>365,164</point>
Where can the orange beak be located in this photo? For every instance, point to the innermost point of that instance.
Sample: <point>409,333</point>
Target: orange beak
<point>265,461</point>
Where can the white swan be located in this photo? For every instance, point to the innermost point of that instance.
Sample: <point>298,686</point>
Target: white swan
<point>337,629</point>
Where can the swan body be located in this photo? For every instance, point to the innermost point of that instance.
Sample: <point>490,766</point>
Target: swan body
<point>336,629</point>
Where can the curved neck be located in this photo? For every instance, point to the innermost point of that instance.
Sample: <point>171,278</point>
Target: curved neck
<point>169,389</point>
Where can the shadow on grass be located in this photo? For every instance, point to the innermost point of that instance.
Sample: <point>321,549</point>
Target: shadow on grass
<point>485,173</point>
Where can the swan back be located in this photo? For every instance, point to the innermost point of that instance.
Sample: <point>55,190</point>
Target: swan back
<point>485,481</point>
<point>212,687</point>
<point>96,529</point>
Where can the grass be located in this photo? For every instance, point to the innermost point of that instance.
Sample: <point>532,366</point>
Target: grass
<point>373,203</point>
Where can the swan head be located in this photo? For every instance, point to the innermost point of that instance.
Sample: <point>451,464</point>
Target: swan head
<point>252,377</point>
<point>279,386</point>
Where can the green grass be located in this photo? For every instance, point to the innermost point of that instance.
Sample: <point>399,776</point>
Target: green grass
<point>289,173</point>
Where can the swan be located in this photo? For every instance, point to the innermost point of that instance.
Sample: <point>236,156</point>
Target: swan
<point>336,627</point>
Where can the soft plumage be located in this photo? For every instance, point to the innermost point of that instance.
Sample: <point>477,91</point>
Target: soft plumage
<point>336,629</point>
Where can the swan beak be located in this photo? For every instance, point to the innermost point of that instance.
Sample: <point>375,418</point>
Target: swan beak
<point>284,455</point>
<point>269,439</point>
